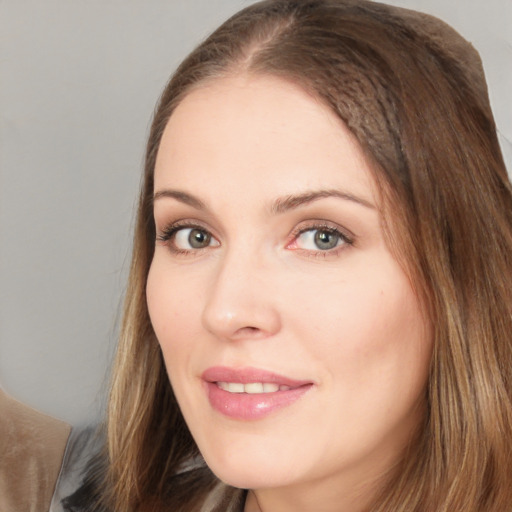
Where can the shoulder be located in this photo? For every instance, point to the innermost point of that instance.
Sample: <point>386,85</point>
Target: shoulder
<point>32,447</point>
<point>83,470</point>
<point>81,486</point>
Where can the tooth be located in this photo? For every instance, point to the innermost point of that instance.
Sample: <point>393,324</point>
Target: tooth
<point>235,387</point>
<point>251,387</point>
<point>254,387</point>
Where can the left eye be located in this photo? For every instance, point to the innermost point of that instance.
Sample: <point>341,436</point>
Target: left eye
<point>319,239</point>
<point>193,238</point>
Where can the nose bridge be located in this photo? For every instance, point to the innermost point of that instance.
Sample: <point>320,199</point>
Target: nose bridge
<point>239,303</point>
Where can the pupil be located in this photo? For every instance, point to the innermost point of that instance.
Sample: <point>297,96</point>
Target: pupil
<point>325,240</point>
<point>198,239</point>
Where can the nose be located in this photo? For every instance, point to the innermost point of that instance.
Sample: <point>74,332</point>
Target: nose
<point>241,301</point>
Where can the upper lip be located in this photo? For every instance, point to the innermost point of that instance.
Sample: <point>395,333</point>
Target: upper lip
<point>246,375</point>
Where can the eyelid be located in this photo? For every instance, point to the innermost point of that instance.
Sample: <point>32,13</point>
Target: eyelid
<point>166,234</point>
<point>346,235</point>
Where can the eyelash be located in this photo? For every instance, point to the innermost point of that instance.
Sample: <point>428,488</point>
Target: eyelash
<point>347,239</point>
<point>168,235</point>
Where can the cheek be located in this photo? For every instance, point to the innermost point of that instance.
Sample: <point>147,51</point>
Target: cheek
<point>370,335</point>
<point>172,308</point>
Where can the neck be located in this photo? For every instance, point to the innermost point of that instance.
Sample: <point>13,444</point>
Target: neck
<point>315,497</point>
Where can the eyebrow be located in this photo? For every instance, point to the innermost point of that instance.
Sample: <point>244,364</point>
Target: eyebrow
<point>280,205</point>
<point>183,197</point>
<point>292,202</point>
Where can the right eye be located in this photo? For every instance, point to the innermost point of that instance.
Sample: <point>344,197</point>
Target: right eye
<point>192,238</point>
<point>187,238</point>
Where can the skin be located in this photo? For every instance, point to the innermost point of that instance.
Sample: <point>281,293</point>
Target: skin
<point>261,293</point>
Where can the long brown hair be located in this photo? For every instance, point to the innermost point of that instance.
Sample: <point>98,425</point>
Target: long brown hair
<point>412,92</point>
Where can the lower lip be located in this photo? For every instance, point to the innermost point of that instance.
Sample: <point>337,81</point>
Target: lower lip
<point>249,407</point>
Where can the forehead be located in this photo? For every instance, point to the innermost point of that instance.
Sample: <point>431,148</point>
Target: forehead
<point>259,135</point>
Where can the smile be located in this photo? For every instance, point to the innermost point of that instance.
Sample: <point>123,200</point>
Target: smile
<point>252,387</point>
<point>249,393</point>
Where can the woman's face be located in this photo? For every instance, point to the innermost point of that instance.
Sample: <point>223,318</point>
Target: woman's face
<point>294,342</point>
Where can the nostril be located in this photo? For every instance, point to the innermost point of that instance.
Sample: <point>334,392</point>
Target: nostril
<point>248,331</point>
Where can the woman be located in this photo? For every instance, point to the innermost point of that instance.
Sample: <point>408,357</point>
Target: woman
<point>322,270</point>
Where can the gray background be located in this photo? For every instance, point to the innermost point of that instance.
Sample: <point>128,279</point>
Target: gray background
<point>78,82</point>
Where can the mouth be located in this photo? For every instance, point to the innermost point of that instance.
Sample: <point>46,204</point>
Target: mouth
<point>252,388</point>
<point>251,394</point>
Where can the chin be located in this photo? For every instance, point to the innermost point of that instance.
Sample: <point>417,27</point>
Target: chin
<point>247,474</point>
<point>248,478</point>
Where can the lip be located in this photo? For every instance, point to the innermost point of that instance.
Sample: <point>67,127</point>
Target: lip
<point>251,407</point>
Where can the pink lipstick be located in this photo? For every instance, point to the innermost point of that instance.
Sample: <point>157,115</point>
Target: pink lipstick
<point>249,393</point>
